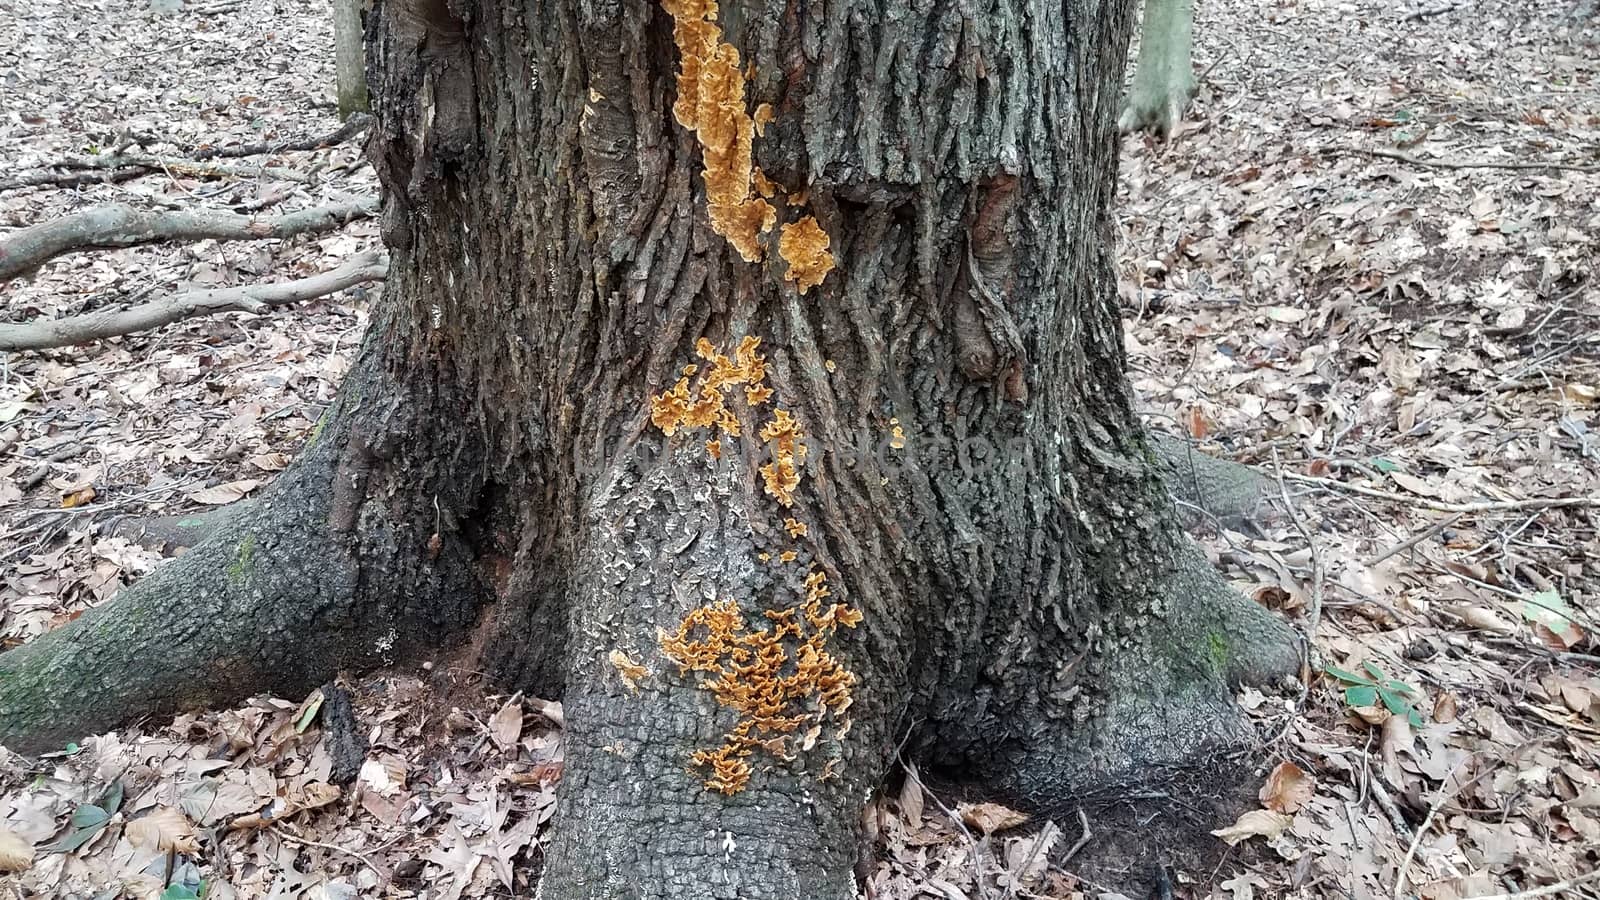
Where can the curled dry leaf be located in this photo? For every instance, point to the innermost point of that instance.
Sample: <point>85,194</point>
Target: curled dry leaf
<point>1257,822</point>
<point>911,798</point>
<point>164,828</point>
<point>1288,788</point>
<point>315,795</point>
<point>505,726</point>
<point>224,493</point>
<point>1484,618</point>
<point>16,854</point>
<point>990,817</point>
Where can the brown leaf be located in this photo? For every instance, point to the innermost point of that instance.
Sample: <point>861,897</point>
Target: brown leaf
<point>77,498</point>
<point>505,726</point>
<point>164,828</point>
<point>911,799</point>
<point>1444,708</point>
<point>990,817</point>
<point>16,854</point>
<point>224,493</point>
<point>1288,788</point>
<point>1255,823</point>
<point>1484,618</point>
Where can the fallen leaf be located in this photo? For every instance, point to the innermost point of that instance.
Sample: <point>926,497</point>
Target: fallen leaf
<point>911,799</point>
<point>1485,618</point>
<point>1255,823</point>
<point>164,828</point>
<point>77,498</point>
<point>990,817</point>
<point>1288,788</point>
<point>505,726</point>
<point>224,493</point>
<point>16,854</point>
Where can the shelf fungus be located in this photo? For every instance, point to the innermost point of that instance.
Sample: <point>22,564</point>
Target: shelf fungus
<point>780,679</point>
<point>711,104</point>
<point>804,246</point>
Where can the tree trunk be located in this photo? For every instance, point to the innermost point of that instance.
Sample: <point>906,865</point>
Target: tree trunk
<point>772,415</point>
<point>349,62</point>
<point>1163,81</point>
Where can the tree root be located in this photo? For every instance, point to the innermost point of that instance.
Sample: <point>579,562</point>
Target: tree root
<point>306,581</point>
<point>1228,492</point>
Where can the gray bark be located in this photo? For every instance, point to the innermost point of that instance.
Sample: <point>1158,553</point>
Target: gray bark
<point>349,62</point>
<point>1164,79</point>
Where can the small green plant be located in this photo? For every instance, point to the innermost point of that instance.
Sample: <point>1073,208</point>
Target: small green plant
<point>88,819</point>
<point>1375,687</point>
<point>182,892</point>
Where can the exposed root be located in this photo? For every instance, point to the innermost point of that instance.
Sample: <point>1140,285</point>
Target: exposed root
<point>303,582</point>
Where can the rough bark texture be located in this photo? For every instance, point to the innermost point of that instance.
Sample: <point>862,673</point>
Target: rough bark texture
<point>976,485</point>
<point>1164,81</point>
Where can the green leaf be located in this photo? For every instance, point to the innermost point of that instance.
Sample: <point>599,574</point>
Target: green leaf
<point>88,816</point>
<point>1345,676</point>
<point>1397,703</point>
<point>1361,695</point>
<point>75,839</point>
<point>1414,717</point>
<point>111,800</point>
<point>310,715</point>
<point>179,892</point>
<point>1547,608</point>
<point>1383,465</point>
<point>1371,668</point>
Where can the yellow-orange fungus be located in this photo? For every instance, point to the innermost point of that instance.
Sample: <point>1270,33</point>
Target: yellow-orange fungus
<point>780,679</point>
<point>794,527</point>
<point>804,246</point>
<point>782,475</point>
<point>704,405</point>
<point>711,104</point>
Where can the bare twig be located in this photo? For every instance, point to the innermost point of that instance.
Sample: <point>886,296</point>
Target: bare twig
<point>1314,609</point>
<point>282,832</point>
<point>1418,15</point>
<point>1402,156</point>
<point>1445,793</point>
<point>1438,506</point>
<point>1414,540</point>
<point>353,126</point>
<point>1549,890</point>
<point>246,298</point>
<point>120,225</point>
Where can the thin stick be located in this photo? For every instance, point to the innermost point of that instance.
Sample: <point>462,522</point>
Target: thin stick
<point>1412,541</point>
<point>1438,506</point>
<point>1404,157</point>
<point>280,832</point>
<point>1547,890</point>
<point>1314,612</point>
<point>1433,810</point>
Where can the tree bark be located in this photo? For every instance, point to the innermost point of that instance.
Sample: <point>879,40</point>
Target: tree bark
<point>780,411</point>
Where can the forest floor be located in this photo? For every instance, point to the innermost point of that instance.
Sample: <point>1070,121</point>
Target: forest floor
<point>1358,266</point>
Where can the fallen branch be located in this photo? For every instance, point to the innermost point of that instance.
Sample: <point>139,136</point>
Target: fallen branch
<point>255,298</point>
<point>1404,157</point>
<point>123,166</point>
<point>1423,13</point>
<point>121,225</point>
<point>353,126</point>
<point>1439,506</point>
<point>117,166</point>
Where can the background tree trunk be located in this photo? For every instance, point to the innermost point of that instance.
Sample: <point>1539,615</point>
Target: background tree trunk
<point>1163,80</point>
<point>349,61</point>
<point>919,509</point>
